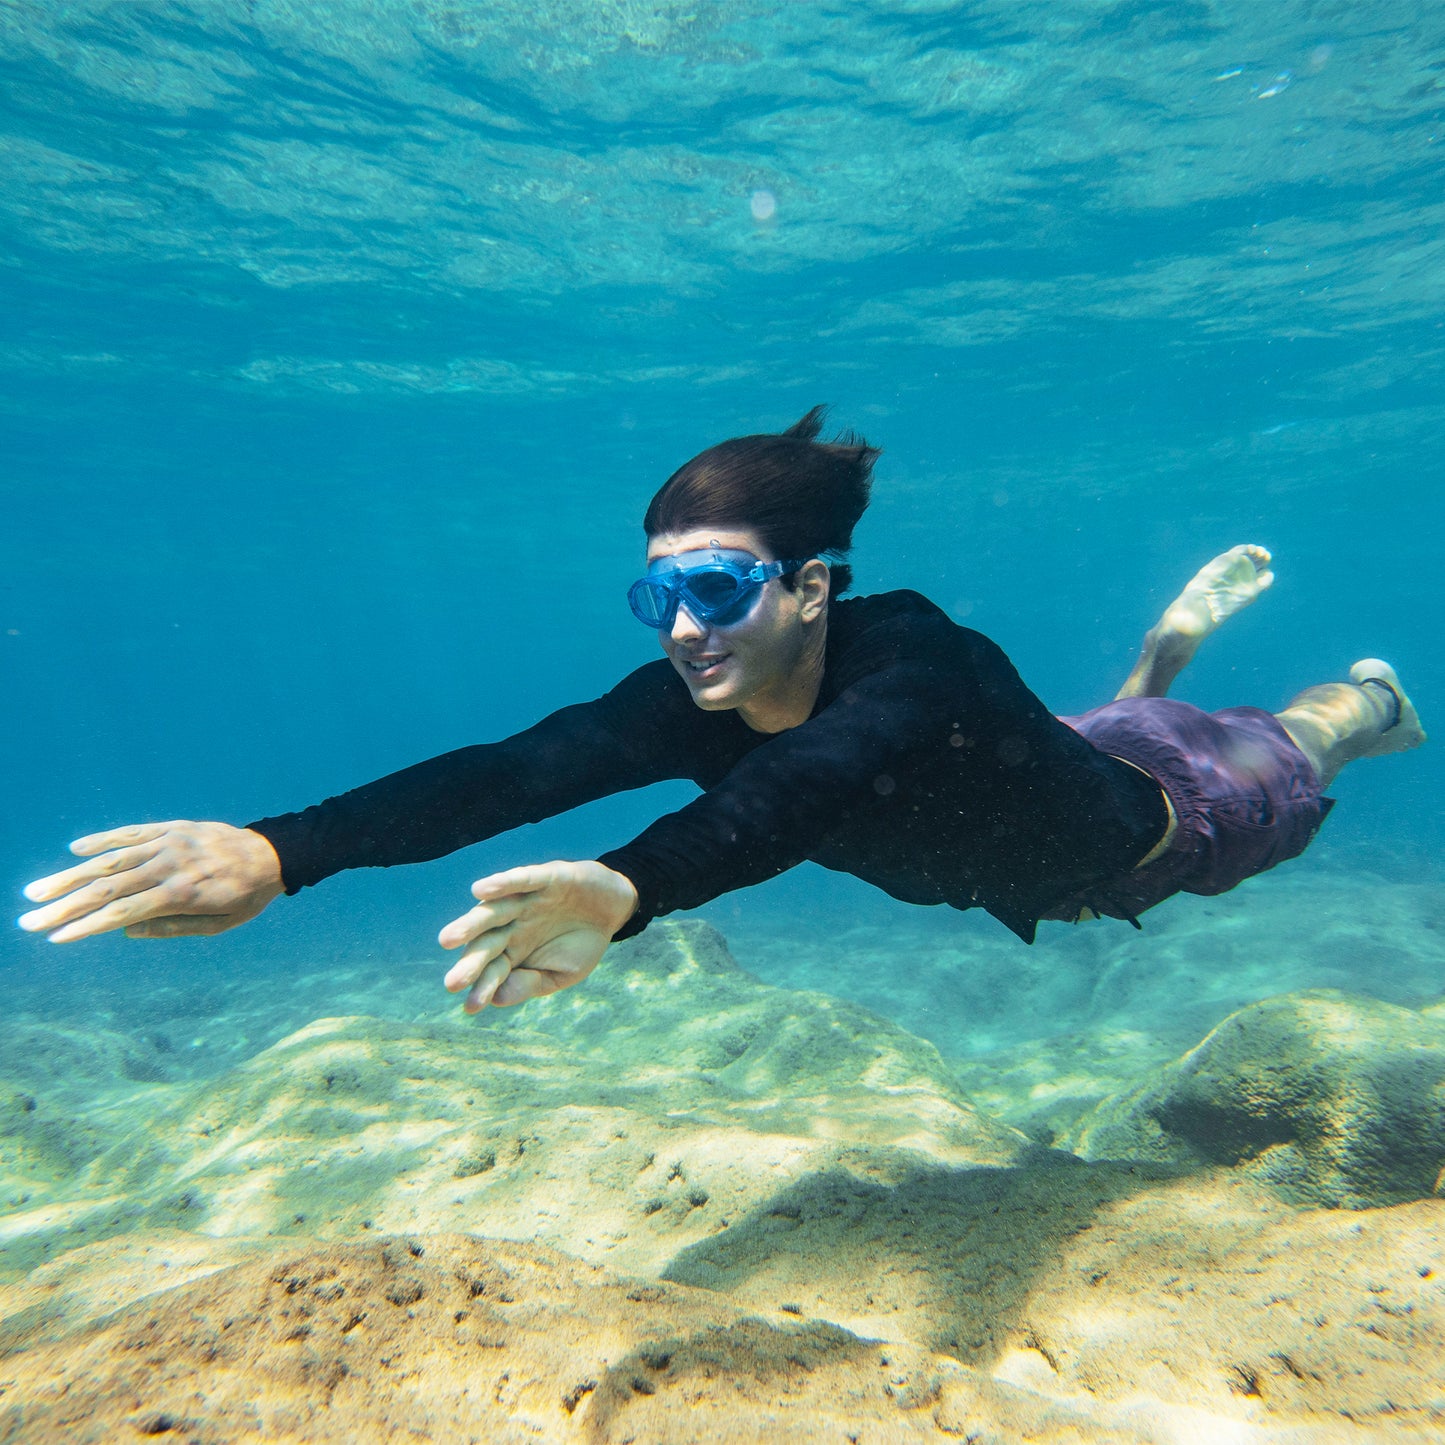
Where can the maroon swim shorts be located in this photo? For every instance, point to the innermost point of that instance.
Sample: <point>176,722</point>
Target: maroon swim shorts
<point>1245,796</point>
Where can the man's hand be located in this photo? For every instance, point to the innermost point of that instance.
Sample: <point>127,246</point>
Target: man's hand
<point>535,930</point>
<point>157,880</point>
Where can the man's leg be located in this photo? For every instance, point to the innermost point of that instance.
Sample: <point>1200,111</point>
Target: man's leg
<point>1217,591</point>
<point>1366,717</point>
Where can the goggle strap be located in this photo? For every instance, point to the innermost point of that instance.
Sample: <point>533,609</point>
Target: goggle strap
<point>769,570</point>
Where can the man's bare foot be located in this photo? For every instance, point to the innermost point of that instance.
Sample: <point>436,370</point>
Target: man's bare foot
<point>1217,591</point>
<point>1405,732</point>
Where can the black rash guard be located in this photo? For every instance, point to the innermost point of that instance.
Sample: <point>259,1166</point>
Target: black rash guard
<point>927,768</point>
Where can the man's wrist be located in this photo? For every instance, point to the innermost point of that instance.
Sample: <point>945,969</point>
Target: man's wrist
<point>640,893</point>
<point>264,860</point>
<point>628,898</point>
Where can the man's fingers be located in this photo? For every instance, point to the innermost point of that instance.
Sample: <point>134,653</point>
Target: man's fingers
<point>502,898</point>
<point>482,919</point>
<point>93,898</point>
<point>119,860</point>
<point>94,843</point>
<point>493,976</point>
<point>124,911</point>
<point>530,879</point>
<point>469,967</point>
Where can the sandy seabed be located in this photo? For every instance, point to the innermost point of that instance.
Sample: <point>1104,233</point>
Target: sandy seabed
<point>679,1203</point>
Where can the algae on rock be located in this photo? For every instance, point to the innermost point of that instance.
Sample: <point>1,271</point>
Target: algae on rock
<point>1336,1100</point>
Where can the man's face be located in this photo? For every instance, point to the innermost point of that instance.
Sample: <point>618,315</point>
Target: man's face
<point>753,659</point>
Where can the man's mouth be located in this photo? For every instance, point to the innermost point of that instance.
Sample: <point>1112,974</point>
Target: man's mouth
<point>697,666</point>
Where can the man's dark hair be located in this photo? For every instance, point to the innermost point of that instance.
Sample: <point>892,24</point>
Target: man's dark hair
<point>801,496</point>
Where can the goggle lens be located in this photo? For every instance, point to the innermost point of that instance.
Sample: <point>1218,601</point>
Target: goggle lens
<point>715,591</point>
<point>651,602</point>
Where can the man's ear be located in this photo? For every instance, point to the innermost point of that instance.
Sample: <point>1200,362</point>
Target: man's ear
<point>812,582</point>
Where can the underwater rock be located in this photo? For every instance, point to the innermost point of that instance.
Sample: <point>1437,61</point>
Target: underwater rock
<point>468,1339</point>
<point>1208,1310</point>
<point>1201,1311</point>
<point>456,1339</point>
<point>41,1148</point>
<point>69,1061</point>
<point>781,1220</point>
<point>1333,1099</point>
<point>622,1121</point>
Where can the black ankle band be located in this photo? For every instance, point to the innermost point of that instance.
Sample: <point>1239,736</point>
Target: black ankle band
<point>1394,697</point>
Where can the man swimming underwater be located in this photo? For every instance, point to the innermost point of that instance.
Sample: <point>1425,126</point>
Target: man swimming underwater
<point>871,735</point>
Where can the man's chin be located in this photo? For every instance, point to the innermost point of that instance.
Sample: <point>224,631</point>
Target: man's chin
<point>714,695</point>
<point>711,700</point>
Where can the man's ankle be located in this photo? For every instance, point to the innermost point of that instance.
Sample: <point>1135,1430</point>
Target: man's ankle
<point>1395,707</point>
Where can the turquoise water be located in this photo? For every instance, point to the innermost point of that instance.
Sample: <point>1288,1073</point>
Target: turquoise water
<point>343,346</point>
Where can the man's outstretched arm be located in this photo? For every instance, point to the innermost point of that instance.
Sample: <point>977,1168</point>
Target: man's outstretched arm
<point>162,880</point>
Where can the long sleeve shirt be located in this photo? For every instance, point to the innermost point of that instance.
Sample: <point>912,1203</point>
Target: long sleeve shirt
<point>927,768</point>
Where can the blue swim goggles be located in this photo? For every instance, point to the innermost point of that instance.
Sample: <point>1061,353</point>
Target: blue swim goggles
<point>719,588</point>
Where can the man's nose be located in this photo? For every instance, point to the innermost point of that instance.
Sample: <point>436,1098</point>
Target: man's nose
<point>685,627</point>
